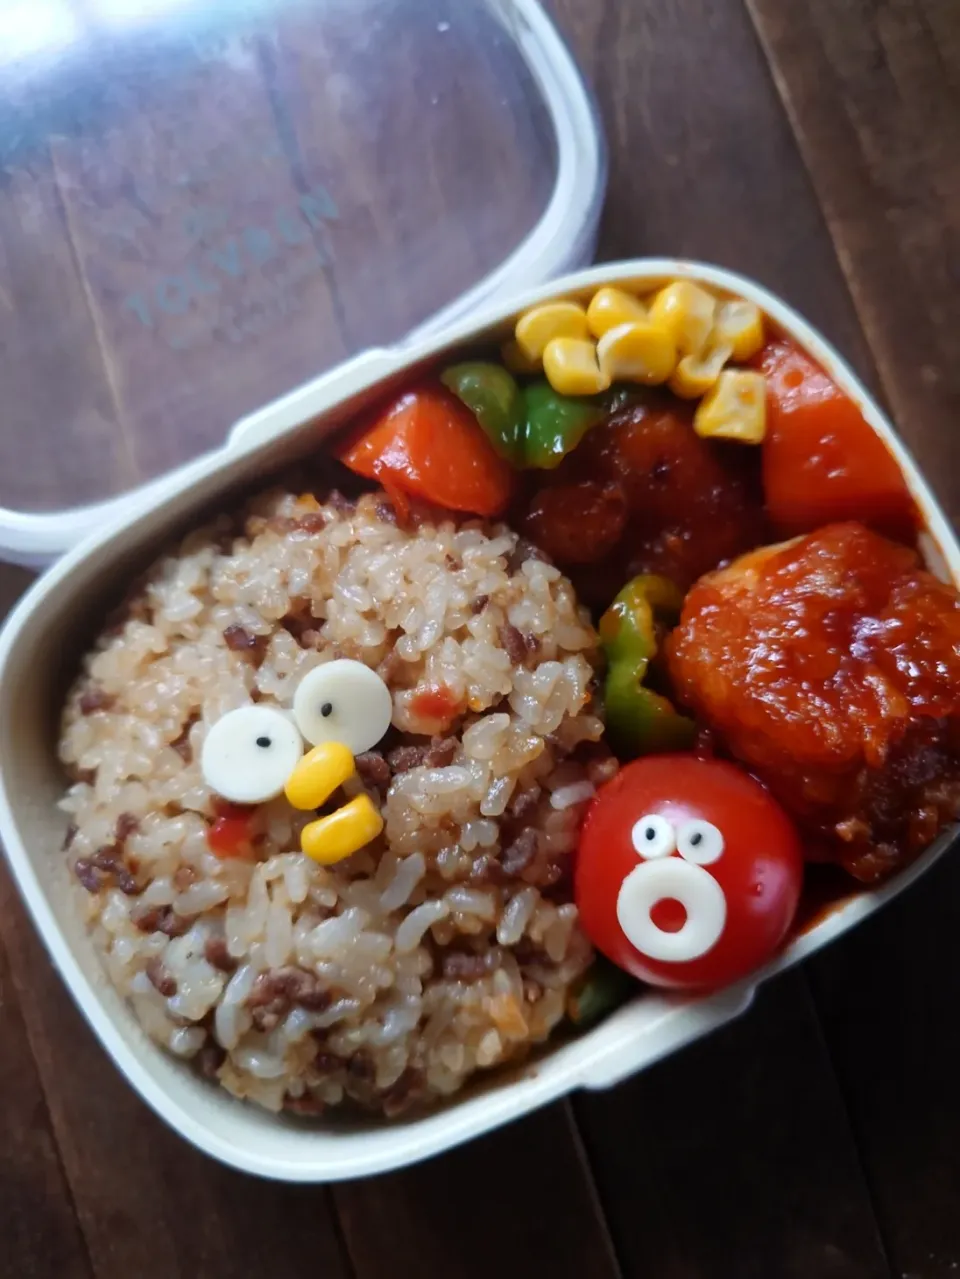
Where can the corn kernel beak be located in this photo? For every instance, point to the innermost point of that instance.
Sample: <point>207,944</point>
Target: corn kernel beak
<point>318,775</point>
<point>609,308</point>
<point>637,352</point>
<point>541,324</point>
<point>571,367</point>
<point>331,839</point>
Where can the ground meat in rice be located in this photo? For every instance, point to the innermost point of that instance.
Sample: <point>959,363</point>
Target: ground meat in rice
<point>275,975</point>
<point>373,768</point>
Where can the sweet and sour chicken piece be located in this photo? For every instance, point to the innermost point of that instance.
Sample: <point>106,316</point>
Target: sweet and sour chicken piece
<point>830,666</point>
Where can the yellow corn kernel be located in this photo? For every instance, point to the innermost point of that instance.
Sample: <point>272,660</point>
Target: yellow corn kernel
<point>515,360</point>
<point>637,352</point>
<point>571,367</point>
<point>696,374</point>
<point>541,324</point>
<point>686,311</point>
<point>609,308</point>
<point>735,408</point>
<point>318,775</point>
<point>331,839</point>
<point>740,323</point>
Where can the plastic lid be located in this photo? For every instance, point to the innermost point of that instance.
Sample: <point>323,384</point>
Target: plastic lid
<point>204,205</point>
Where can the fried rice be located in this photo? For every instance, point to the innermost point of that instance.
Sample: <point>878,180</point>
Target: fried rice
<point>448,945</point>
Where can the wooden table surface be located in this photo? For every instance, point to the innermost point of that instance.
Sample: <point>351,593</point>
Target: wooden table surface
<point>813,144</point>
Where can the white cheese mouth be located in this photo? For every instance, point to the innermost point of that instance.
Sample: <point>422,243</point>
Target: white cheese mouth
<point>672,878</point>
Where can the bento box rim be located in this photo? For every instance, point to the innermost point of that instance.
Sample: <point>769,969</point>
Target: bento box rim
<point>602,1056</point>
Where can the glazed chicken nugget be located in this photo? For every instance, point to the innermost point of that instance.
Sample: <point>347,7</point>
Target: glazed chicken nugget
<point>830,665</point>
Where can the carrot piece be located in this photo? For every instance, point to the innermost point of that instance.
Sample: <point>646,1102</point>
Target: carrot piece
<point>439,703</point>
<point>231,833</point>
<point>430,446</point>
<point>822,461</point>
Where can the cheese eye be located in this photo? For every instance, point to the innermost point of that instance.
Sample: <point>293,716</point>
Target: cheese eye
<point>343,701</point>
<point>653,836</point>
<point>249,753</point>
<point>700,843</point>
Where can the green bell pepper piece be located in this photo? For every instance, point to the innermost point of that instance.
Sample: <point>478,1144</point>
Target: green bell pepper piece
<point>601,989</point>
<point>532,427</point>
<point>639,720</point>
<point>494,398</point>
<point>555,424</point>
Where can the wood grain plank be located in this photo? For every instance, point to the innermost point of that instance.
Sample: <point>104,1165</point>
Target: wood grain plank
<point>40,1233</point>
<point>511,1203</point>
<point>704,165</point>
<point>149,1204</point>
<point>873,90</point>
<point>733,1159</point>
<point>683,93</point>
<point>409,237</point>
<point>38,1222</point>
<point>197,251</point>
<point>61,442</point>
<point>703,161</point>
<point>418,224</point>
<point>888,997</point>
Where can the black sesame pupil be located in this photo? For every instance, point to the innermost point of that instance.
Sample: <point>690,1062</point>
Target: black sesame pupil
<point>650,833</point>
<point>264,742</point>
<point>326,710</point>
<point>696,838</point>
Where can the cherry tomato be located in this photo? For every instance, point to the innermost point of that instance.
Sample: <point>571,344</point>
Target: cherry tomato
<point>688,873</point>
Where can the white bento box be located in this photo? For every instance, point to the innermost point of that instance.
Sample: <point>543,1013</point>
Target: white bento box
<point>37,654</point>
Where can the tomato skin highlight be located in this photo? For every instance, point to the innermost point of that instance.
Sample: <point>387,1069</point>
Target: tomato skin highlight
<point>760,870</point>
<point>822,461</point>
<point>428,445</point>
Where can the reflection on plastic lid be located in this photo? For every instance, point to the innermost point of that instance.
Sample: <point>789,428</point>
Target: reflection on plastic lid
<point>206,203</point>
<point>132,10</point>
<point>35,26</point>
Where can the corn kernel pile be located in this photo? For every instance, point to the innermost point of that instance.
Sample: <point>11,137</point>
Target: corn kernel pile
<point>681,335</point>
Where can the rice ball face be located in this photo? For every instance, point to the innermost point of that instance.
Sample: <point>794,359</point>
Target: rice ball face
<point>343,701</point>
<point>473,853</point>
<point>249,753</point>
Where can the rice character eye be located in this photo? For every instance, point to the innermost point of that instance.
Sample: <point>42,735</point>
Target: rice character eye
<point>249,753</point>
<point>653,836</point>
<point>700,842</point>
<point>343,701</point>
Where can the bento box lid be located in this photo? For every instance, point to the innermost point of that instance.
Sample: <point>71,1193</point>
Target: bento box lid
<point>204,205</point>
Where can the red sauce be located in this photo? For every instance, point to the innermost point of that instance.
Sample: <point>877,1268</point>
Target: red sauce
<point>826,889</point>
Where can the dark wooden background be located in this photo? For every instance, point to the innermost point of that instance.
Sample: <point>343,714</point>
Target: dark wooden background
<point>814,144</point>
